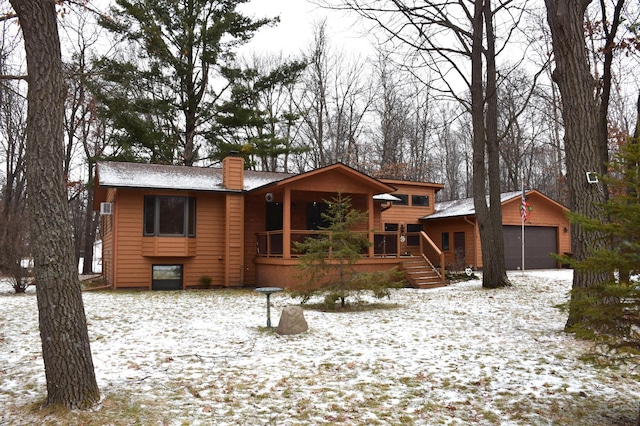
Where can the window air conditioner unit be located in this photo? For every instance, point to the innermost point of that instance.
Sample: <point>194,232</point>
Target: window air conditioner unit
<point>106,208</point>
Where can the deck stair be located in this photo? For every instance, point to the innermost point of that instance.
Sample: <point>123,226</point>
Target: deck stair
<point>421,274</point>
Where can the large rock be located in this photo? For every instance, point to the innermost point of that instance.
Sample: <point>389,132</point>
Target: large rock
<point>292,321</point>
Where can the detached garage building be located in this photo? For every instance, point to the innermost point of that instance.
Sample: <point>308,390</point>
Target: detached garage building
<point>547,230</point>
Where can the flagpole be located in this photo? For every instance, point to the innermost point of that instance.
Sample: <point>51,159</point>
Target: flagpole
<point>522,218</point>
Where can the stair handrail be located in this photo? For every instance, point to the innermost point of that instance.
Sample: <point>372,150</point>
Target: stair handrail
<point>424,238</point>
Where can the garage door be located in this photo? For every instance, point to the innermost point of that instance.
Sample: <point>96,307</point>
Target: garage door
<point>539,242</point>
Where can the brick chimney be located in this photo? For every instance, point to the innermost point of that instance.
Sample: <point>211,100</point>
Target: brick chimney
<point>233,171</point>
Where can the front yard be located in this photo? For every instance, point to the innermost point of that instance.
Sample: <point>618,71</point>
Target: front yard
<point>456,355</point>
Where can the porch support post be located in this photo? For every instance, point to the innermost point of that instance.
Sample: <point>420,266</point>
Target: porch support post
<point>370,207</point>
<point>286,224</point>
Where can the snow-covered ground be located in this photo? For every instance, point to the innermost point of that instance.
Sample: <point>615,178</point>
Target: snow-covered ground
<point>458,355</point>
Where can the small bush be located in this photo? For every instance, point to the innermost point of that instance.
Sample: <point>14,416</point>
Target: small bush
<point>205,281</point>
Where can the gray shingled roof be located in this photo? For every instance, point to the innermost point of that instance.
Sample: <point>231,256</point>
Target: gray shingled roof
<point>156,176</point>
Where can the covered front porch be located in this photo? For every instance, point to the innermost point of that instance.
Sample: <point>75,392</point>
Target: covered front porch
<point>423,265</point>
<point>291,210</point>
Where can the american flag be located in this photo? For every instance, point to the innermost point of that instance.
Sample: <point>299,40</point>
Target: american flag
<point>524,207</point>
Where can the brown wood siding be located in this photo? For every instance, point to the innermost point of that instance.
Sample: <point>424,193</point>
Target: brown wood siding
<point>404,215</point>
<point>233,173</point>
<point>377,217</point>
<point>169,246</point>
<point>255,221</point>
<point>330,183</point>
<point>409,214</point>
<point>200,255</point>
<point>131,267</point>
<point>435,228</point>
<point>545,213</point>
<point>209,259</point>
<point>234,230</point>
<point>282,273</point>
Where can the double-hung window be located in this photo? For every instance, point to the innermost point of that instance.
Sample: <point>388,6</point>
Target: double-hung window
<point>167,216</point>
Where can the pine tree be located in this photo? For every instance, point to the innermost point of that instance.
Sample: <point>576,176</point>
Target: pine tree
<point>161,99</point>
<point>257,119</point>
<point>328,258</point>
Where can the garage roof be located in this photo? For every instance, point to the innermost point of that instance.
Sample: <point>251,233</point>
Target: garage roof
<point>465,207</point>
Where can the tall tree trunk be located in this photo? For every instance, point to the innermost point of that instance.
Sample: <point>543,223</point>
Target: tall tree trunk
<point>580,114</point>
<point>63,329</point>
<point>90,225</point>
<point>610,30</point>
<point>485,147</point>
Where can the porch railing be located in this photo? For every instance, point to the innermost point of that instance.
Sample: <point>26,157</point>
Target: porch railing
<point>429,251</point>
<point>385,244</point>
<point>270,243</point>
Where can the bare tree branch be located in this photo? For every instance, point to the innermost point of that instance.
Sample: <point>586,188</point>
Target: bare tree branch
<point>14,77</point>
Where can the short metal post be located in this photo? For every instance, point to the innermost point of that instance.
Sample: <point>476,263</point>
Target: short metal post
<point>267,292</point>
<point>268,311</point>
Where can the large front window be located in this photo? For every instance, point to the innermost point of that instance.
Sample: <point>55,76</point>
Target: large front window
<point>169,216</point>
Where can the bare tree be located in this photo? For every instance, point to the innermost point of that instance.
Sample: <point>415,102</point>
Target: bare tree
<point>336,98</point>
<point>418,154</point>
<point>458,38</point>
<point>14,244</point>
<point>85,135</point>
<point>453,147</point>
<point>314,104</point>
<point>66,352</point>
<point>393,111</point>
<point>404,135</point>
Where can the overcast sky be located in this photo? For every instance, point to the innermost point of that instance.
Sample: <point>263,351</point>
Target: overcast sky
<point>295,30</point>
